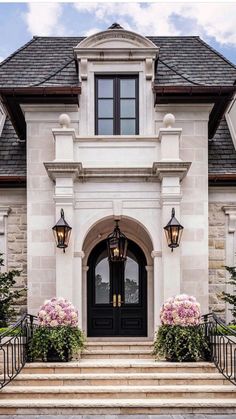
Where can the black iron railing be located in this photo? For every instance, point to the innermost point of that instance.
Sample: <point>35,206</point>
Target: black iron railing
<point>14,348</point>
<point>222,344</point>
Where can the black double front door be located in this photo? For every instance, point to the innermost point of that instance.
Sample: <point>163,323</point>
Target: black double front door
<point>117,293</point>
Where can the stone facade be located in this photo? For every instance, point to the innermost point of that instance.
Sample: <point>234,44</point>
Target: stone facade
<point>222,245</point>
<point>217,257</point>
<point>15,235</point>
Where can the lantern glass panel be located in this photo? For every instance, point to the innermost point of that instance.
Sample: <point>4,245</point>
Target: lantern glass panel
<point>117,245</point>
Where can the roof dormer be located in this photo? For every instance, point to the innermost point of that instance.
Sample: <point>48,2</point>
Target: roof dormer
<point>116,44</point>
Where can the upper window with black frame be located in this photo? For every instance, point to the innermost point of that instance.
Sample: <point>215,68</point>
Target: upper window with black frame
<point>116,105</point>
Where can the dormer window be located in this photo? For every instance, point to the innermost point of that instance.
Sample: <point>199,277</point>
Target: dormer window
<point>116,105</point>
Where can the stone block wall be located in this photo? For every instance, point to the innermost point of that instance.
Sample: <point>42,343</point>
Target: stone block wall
<point>217,257</point>
<point>15,232</point>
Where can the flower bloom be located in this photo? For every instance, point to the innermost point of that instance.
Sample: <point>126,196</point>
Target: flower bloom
<point>181,310</point>
<point>57,312</point>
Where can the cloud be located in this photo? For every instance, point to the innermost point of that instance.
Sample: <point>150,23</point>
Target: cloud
<point>92,31</point>
<point>212,20</point>
<point>44,19</point>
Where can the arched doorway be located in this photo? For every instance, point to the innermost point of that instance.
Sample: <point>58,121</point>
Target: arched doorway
<point>117,293</point>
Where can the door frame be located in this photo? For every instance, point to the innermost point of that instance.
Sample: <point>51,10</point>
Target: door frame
<point>143,272</point>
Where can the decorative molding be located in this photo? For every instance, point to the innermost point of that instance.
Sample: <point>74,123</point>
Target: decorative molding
<point>80,254</point>
<point>230,210</point>
<point>102,39</point>
<point>156,254</point>
<point>116,138</point>
<point>4,212</point>
<point>63,169</point>
<point>116,45</point>
<point>171,199</point>
<point>159,170</point>
<point>118,174</point>
<point>171,169</point>
<point>169,131</point>
<point>61,132</point>
<point>149,268</point>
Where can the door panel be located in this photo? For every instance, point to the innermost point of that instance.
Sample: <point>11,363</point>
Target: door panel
<point>117,293</point>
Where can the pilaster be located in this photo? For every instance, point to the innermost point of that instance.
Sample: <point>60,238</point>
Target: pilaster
<point>4,212</point>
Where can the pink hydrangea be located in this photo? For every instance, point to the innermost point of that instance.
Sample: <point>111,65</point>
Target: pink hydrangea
<point>181,310</point>
<point>58,312</point>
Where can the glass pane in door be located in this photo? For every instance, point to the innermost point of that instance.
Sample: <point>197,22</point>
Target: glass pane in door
<point>102,280</point>
<point>131,281</point>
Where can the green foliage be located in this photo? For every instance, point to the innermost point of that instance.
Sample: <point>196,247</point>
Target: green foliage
<point>179,343</point>
<point>8,296</point>
<point>226,296</point>
<point>55,338</point>
<point>223,331</point>
<point>13,332</point>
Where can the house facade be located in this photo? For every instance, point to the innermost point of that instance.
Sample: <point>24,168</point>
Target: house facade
<point>118,127</point>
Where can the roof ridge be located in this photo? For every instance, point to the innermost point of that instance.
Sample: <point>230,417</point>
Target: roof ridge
<point>216,52</point>
<point>17,51</point>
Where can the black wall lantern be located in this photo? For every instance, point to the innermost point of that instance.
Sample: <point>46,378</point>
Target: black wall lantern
<point>117,245</point>
<point>61,232</point>
<point>173,231</point>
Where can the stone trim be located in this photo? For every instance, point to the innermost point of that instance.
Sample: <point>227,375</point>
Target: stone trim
<point>231,212</point>
<point>171,169</point>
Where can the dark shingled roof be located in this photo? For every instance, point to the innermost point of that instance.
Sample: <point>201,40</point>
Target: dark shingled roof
<point>12,152</point>
<point>221,152</point>
<point>49,61</point>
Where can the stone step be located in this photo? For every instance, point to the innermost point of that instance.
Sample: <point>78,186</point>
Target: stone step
<point>91,353</point>
<point>120,392</point>
<point>117,406</point>
<point>179,378</point>
<point>116,366</point>
<point>146,345</point>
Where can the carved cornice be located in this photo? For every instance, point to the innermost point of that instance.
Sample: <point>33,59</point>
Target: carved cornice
<point>63,169</point>
<point>230,210</point>
<point>171,169</point>
<point>155,174</point>
<point>116,45</point>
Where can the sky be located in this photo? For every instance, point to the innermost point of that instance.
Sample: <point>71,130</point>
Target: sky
<point>214,22</point>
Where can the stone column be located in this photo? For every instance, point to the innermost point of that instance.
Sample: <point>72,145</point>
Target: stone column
<point>170,198</point>
<point>158,286</point>
<point>78,284</point>
<point>64,198</point>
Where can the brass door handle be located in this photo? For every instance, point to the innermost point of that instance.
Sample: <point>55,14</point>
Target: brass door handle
<point>114,300</point>
<point>119,300</point>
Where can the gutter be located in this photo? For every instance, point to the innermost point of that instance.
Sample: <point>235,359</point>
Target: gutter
<point>13,97</point>
<point>13,181</point>
<point>40,91</point>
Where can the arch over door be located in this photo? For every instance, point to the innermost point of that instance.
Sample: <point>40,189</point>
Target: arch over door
<point>117,293</point>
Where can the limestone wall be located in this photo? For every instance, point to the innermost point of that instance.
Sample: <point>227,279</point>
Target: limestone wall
<point>217,255</point>
<point>193,119</point>
<point>14,238</point>
<point>222,245</point>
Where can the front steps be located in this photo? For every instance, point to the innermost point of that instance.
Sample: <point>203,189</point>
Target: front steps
<point>118,378</point>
